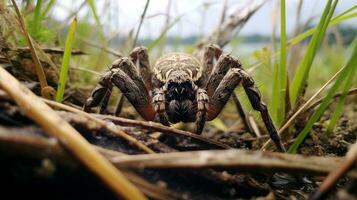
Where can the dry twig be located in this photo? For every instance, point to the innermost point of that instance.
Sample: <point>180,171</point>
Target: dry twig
<point>163,129</point>
<point>242,160</point>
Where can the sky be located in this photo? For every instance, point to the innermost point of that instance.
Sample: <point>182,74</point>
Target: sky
<point>124,15</point>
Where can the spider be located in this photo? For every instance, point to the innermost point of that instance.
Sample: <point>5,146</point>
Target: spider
<point>180,88</point>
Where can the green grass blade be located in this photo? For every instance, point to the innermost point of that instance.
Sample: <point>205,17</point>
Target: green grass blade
<point>302,72</point>
<point>350,67</point>
<point>279,82</point>
<point>339,107</point>
<point>37,17</point>
<point>65,61</point>
<point>282,66</point>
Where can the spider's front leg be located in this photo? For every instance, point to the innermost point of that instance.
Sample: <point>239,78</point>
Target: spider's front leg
<point>126,78</point>
<point>230,81</point>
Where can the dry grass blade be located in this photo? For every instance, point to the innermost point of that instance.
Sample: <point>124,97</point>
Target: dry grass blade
<point>46,91</point>
<point>303,107</point>
<point>68,136</point>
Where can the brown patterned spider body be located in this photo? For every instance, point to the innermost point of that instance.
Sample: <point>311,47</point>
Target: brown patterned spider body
<point>179,87</point>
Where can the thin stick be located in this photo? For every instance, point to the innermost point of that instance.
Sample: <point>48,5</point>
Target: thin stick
<point>242,160</point>
<point>141,23</point>
<point>302,108</point>
<point>161,128</point>
<point>114,130</point>
<point>68,136</point>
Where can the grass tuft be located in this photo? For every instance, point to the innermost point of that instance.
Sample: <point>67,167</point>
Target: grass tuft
<point>349,70</point>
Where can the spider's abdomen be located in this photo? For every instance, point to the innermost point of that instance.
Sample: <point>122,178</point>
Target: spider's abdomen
<point>174,64</point>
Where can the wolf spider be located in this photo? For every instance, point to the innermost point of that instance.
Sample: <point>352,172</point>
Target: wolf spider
<point>179,87</point>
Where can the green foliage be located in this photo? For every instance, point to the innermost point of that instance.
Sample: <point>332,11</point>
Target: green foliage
<point>280,73</point>
<point>302,73</point>
<point>65,62</point>
<point>348,71</point>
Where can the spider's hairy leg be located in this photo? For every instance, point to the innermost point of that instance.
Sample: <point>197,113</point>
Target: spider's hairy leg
<point>224,63</point>
<point>210,53</point>
<point>100,94</point>
<point>128,67</point>
<point>202,107</point>
<point>127,79</point>
<point>224,91</point>
<point>140,56</point>
<point>221,68</point>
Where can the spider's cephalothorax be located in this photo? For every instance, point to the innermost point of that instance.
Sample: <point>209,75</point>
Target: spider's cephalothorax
<point>179,87</point>
<point>177,72</point>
